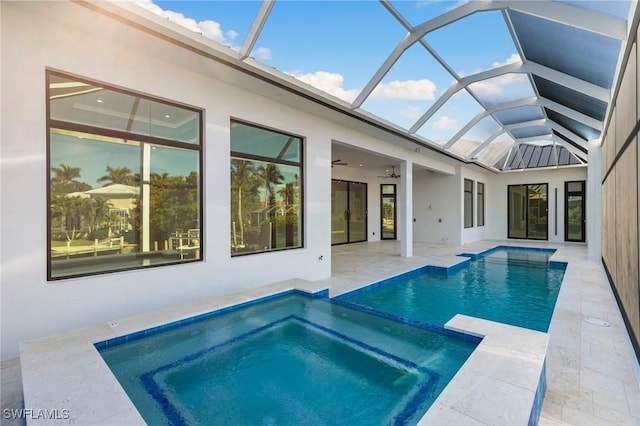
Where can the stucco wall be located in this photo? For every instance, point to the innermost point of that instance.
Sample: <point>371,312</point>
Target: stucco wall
<point>437,207</point>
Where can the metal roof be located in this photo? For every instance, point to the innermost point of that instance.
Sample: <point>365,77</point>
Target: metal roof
<point>561,79</point>
<point>535,156</point>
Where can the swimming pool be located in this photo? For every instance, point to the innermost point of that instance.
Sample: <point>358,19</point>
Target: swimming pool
<point>516,286</point>
<point>288,359</point>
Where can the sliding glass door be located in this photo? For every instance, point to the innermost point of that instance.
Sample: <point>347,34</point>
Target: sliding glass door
<point>528,211</point>
<point>348,212</point>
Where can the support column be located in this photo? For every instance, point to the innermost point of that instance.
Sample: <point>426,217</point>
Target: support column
<point>406,209</point>
<point>594,201</point>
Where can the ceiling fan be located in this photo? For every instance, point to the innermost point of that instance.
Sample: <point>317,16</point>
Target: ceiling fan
<point>338,163</point>
<point>392,175</point>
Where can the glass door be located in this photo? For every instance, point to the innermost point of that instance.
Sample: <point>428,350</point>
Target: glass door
<point>357,216</point>
<point>388,211</point>
<point>339,209</point>
<point>348,212</point>
<point>528,214</point>
<point>518,211</point>
<point>537,219</point>
<point>574,211</point>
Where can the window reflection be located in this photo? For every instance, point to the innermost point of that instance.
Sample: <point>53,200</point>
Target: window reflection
<point>266,208</point>
<point>118,202</point>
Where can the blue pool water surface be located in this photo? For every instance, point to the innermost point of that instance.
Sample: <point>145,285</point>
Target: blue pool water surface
<point>510,285</point>
<point>291,359</point>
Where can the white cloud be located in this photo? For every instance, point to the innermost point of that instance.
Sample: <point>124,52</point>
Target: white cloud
<point>262,53</point>
<point>408,89</point>
<point>486,88</point>
<point>458,4</point>
<point>332,83</point>
<point>444,122</point>
<point>232,35</point>
<point>411,112</point>
<point>208,28</point>
<point>423,3</point>
<point>513,59</point>
<point>495,86</point>
<point>329,82</point>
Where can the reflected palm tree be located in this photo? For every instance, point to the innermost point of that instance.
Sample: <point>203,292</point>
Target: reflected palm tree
<point>272,176</point>
<point>64,174</point>
<point>242,176</point>
<point>65,180</point>
<point>118,175</point>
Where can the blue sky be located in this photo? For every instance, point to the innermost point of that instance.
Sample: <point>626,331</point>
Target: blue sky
<point>337,46</point>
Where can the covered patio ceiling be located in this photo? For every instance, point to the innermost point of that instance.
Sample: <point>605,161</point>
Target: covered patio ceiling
<point>481,81</point>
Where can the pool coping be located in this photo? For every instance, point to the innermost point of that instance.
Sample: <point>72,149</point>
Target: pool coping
<point>499,383</point>
<point>502,382</point>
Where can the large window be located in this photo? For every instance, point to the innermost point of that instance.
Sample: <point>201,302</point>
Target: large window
<point>480,207</point>
<point>528,211</point>
<point>266,197</point>
<point>468,203</point>
<point>125,188</point>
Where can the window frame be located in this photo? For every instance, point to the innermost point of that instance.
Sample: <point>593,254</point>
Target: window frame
<point>464,203</point>
<point>264,159</point>
<point>52,124</point>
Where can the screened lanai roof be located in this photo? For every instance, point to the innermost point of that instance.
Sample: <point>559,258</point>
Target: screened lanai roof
<point>481,81</point>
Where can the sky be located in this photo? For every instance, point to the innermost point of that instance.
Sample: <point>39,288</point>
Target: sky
<point>337,46</point>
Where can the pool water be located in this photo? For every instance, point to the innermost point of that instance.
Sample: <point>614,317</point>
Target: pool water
<point>509,285</point>
<point>291,359</point>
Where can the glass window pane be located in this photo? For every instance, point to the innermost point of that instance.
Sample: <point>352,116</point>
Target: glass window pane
<point>357,211</point>
<point>537,212</point>
<point>103,215</point>
<point>255,141</point>
<point>574,186</point>
<point>468,203</point>
<point>518,211</point>
<point>124,202</point>
<point>79,102</point>
<point>339,212</point>
<point>266,207</point>
<point>480,207</point>
<point>388,189</point>
<point>468,185</point>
